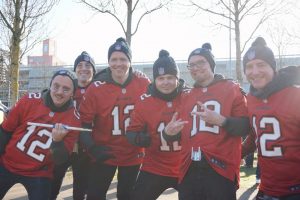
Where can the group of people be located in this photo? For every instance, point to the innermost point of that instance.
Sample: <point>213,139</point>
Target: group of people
<point>156,135</point>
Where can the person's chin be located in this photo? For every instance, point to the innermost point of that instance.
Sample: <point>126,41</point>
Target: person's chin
<point>59,103</point>
<point>258,86</point>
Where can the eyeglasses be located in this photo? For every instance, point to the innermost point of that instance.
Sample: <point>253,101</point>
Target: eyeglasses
<point>197,65</point>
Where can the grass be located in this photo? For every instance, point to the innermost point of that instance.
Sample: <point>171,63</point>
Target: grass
<point>247,176</point>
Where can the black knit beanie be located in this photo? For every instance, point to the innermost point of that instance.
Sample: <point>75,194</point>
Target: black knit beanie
<point>165,64</point>
<point>122,46</point>
<point>84,56</point>
<point>260,50</point>
<point>64,72</point>
<point>205,51</point>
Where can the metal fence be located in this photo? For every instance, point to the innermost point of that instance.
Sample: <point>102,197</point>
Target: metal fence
<point>35,79</point>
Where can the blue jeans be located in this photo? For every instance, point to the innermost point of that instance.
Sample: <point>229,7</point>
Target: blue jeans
<point>37,187</point>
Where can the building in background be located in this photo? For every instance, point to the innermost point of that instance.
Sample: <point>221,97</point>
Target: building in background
<point>37,74</point>
<point>48,58</point>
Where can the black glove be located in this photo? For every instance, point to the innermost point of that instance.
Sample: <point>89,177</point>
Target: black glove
<point>140,139</point>
<point>100,153</point>
<point>143,139</point>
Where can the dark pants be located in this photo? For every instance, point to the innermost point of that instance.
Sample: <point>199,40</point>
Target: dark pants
<point>37,187</point>
<point>80,170</point>
<point>261,196</point>
<point>202,183</point>
<point>249,160</point>
<point>101,176</point>
<point>150,186</point>
<point>257,173</point>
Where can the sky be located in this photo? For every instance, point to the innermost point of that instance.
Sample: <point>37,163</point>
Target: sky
<point>75,28</point>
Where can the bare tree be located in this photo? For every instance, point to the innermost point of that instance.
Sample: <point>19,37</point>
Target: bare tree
<point>282,35</point>
<point>21,19</point>
<point>247,14</point>
<point>115,8</point>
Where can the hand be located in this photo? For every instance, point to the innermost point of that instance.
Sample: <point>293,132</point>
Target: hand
<point>100,153</point>
<point>209,116</point>
<point>174,126</point>
<point>59,132</point>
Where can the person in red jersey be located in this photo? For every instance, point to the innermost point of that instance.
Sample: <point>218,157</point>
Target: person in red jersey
<point>106,108</point>
<point>152,112</point>
<point>216,112</point>
<point>84,67</point>
<point>30,151</point>
<point>273,107</point>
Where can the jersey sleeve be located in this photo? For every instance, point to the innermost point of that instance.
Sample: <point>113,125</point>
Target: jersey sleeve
<point>14,118</point>
<point>88,106</point>
<point>239,108</point>
<point>137,122</point>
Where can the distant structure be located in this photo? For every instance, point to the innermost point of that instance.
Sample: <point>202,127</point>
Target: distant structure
<point>48,58</point>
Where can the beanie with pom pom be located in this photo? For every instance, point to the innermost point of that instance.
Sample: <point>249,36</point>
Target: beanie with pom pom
<point>165,64</point>
<point>122,46</point>
<point>205,51</point>
<point>260,50</point>
<point>84,56</point>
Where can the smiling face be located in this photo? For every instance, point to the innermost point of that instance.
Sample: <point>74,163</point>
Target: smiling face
<point>259,73</point>
<point>84,72</point>
<point>200,70</point>
<point>61,90</point>
<point>166,84</point>
<point>119,65</point>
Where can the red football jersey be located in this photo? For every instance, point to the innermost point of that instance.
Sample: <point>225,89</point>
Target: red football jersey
<point>28,151</point>
<point>221,149</point>
<point>276,121</point>
<point>78,96</point>
<point>108,106</point>
<point>152,113</point>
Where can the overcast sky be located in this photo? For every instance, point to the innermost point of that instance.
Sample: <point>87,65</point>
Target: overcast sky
<point>75,28</point>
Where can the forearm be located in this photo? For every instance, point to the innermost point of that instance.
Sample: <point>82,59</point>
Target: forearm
<point>138,138</point>
<point>238,126</point>
<point>85,136</point>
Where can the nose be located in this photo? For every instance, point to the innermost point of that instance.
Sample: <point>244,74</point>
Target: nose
<point>255,69</point>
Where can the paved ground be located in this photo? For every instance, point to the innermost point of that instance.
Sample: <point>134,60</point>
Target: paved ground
<point>18,192</point>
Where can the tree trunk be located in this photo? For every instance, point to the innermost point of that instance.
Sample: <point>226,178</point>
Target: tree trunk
<point>129,21</point>
<point>15,54</point>
<point>239,75</point>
